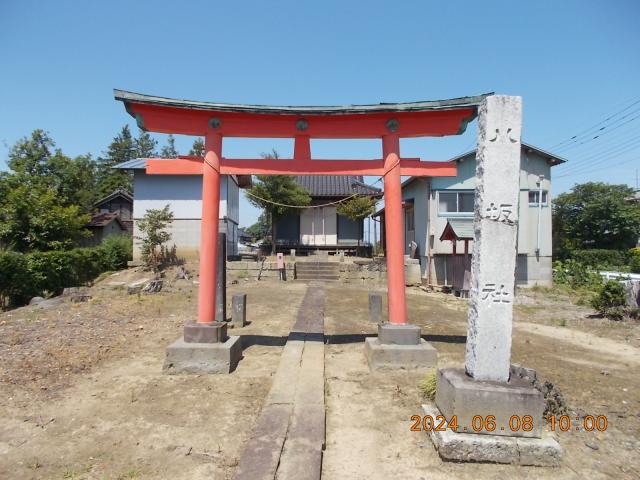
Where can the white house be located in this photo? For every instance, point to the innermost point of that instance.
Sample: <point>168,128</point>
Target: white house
<point>438,215</point>
<point>183,194</point>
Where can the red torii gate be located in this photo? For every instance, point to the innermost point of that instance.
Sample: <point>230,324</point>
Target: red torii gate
<point>214,121</point>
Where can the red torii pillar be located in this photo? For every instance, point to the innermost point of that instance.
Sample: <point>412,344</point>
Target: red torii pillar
<point>209,228</point>
<point>394,230</point>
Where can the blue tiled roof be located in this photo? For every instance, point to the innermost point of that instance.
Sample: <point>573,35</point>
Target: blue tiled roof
<point>135,164</point>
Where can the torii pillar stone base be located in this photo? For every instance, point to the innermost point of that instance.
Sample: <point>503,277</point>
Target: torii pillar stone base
<point>204,348</point>
<point>494,416</point>
<point>399,347</point>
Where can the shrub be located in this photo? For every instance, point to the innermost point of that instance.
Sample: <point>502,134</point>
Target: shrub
<point>117,251</point>
<point>601,259</point>
<point>575,274</point>
<point>152,226</point>
<point>609,300</point>
<point>634,260</point>
<point>15,280</point>
<point>23,276</point>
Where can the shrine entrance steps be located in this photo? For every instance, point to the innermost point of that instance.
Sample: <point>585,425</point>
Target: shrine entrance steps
<point>289,437</point>
<point>322,271</point>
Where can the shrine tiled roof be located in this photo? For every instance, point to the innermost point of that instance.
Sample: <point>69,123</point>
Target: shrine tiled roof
<point>336,185</point>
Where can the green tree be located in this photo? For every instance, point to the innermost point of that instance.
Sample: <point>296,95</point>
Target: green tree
<point>145,145</point>
<point>275,194</point>
<point>31,156</point>
<point>260,229</point>
<point>152,226</point>
<point>357,209</point>
<point>45,195</point>
<point>34,161</point>
<point>595,215</point>
<point>198,148</point>
<point>121,149</point>
<point>169,150</point>
<point>33,218</point>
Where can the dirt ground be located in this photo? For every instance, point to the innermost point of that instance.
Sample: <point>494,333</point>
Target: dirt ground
<point>82,395</point>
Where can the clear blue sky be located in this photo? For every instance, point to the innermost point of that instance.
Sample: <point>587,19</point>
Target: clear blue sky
<point>573,62</point>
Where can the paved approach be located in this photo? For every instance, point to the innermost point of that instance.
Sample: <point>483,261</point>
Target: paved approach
<point>289,436</point>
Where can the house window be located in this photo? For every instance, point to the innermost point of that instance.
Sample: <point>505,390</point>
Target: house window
<point>534,196</point>
<point>455,202</point>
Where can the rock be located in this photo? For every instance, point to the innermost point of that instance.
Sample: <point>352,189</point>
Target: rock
<point>592,446</point>
<point>632,292</point>
<point>136,286</point>
<point>604,372</point>
<point>80,297</point>
<point>182,273</point>
<point>36,300</point>
<point>51,302</point>
<point>154,286</point>
<point>70,291</point>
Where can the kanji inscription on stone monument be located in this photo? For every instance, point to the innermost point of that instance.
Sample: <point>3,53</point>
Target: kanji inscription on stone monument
<point>488,348</point>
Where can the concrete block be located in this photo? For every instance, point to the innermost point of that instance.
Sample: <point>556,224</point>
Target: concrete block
<point>215,332</point>
<point>390,334</point>
<point>410,357</point>
<point>239,310</point>
<point>183,357</point>
<point>460,395</point>
<point>471,447</point>
<point>375,308</point>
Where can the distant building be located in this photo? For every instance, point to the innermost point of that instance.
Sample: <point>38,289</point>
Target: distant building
<point>321,228</point>
<point>119,202</point>
<point>112,215</point>
<point>438,219</point>
<point>243,237</point>
<point>183,194</point>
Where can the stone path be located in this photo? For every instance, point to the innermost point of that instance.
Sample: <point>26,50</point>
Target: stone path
<point>289,436</point>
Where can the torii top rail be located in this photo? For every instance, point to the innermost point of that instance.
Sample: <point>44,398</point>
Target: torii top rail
<point>387,121</point>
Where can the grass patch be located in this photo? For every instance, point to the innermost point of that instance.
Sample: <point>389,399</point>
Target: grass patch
<point>428,385</point>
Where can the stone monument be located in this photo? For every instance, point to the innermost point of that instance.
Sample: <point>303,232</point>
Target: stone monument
<point>497,416</point>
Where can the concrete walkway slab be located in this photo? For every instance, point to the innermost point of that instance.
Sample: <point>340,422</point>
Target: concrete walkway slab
<point>289,437</point>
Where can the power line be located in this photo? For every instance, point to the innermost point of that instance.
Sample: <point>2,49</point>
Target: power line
<point>609,150</point>
<point>594,170</point>
<point>601,132</point>
<point>583,132</point>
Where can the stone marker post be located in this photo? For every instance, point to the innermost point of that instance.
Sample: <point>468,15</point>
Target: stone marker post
<point>375,308</point>
<point>239,310</point>
<point>221,281</point>
<point>488,348</point>
<point>484,389</point>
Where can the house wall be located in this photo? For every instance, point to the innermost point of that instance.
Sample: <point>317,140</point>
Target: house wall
<point>418,191</point>
<point>183,194</point>
<point>532,267</point>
